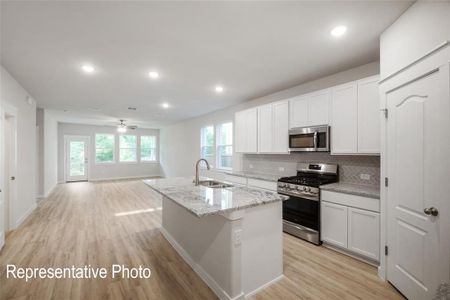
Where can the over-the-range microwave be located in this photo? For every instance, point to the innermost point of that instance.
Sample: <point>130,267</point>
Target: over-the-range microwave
<point>315,138</point>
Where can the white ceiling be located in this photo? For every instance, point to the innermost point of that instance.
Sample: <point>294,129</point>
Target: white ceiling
<point>252,48</point>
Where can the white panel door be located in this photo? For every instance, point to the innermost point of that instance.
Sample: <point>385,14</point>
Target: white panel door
<point>418,170</point>
<point>344,119</point>
<point>76,158</point>
<point>318,108</point>
<point>265,128</point>
<point>368,115</point>
<point>251,136</point>
<point>364,232</point>
<point>240,131</point>
<point>280,140</point>
<point>2,203</point>
<point>334,224</point>
<point>298,112</point>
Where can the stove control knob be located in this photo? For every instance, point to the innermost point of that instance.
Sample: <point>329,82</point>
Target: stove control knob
<point>304,189</point>
<point>308,189</point>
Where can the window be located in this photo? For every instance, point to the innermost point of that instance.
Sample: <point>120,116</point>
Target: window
<point>148,148</point>
<point>127,152</point>
<point>104,148</point>
<point>225,145</point>
<point>207,144</point>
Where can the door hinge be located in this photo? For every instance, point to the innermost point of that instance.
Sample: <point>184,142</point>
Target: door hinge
<point>386,250</point>
<point>386,181</point>
<point>385,111</point>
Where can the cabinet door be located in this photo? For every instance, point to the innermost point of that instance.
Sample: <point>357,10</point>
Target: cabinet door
<point>368,115</point>
<point>298,112</point>
<point>280,140</point>
<point>265,128</point>
<point>334,224</point>
<point>344,119</point>
<point>240,130</point>
<point>364,232</point>
<point>252,130</point>
<point>318,108</point>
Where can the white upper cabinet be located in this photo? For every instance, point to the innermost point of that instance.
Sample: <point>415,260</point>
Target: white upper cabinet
<point>310,110</point>
<point>368,115</point>
<point>246,131</point>
<point>280,141</point>
<point>318,108</point>
<point>355,117</point>
<point>265,128</point>
<point>298,112</point>
<point>344,120</point>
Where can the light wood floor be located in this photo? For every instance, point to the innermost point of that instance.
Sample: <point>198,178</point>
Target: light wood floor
<point>117,222</point>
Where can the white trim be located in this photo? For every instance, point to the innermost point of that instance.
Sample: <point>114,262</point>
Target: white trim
<point>25,215</point>
<point>198,269</point>
<point>425,55</point>
<point>123,178</point>
<point>264,286</point>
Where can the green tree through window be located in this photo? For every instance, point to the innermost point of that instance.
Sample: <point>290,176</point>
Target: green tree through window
<point>128,147</point>
<point>148,148</point>
<point>104,148</point>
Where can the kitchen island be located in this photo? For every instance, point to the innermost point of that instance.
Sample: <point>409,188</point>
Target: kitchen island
<point>230,236</point>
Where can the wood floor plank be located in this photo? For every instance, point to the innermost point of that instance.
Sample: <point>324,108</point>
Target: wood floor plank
<point>117,222</point>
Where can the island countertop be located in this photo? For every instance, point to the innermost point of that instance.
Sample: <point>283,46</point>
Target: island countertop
<point>202,201</point>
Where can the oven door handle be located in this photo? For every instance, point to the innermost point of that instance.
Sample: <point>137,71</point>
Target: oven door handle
<point>315,140</point>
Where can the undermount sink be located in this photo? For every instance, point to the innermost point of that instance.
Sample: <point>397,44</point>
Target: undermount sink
<point>215,184</point>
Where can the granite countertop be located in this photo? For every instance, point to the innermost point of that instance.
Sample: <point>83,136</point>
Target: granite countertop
<point>353,189</point>
<point>266,177</point>
<point>203,201</point>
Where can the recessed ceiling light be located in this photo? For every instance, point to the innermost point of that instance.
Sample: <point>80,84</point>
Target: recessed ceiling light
<point>88,68</point>
<point>218,89</point>
<point>338,31</point>
<point>153,74</point>
<point>165,105</point>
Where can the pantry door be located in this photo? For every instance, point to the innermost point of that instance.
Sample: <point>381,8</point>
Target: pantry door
<point>418,186</point>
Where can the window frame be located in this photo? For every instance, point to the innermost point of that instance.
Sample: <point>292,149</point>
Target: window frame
<point>218,145</point>
<point>114,149</point>
<point>213,160</point>
<point>156,160</point>
<point>136,150</point>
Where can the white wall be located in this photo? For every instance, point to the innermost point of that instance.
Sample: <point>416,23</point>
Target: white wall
<point>180,143</point>
<point>419,30</point>
<point>50,153</point>
<point>105,171</point>
<point>13,94</point>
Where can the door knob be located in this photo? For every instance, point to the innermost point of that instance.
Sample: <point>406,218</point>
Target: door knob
<point>13,178</point>
<point>431,211</point>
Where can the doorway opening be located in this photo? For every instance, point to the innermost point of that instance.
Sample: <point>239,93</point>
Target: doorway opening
<point>76,154</point>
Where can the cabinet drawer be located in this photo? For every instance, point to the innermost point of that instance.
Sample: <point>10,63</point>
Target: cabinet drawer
<point>262,184</point>
<point>351,200</point>
<point>236,179</point>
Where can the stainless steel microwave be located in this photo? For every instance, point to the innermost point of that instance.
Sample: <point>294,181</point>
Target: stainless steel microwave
<point>316,138</point>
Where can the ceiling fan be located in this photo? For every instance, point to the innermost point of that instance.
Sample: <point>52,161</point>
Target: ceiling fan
<point>122,127</point>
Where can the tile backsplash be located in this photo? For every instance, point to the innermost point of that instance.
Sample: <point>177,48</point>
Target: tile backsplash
<point>352,169</point>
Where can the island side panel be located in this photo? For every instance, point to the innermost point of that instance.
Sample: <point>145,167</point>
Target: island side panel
<point>262,234</point>
<point>206,244</point>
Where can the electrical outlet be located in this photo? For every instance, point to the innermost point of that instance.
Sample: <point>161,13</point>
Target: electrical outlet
<point>238,237</point>
<point>364,176</point>
<point>281,169</point>
<point>250,166</point>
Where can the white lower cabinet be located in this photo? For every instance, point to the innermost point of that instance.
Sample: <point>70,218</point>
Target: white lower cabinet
<point>334,224</point>
<point>364,232</point>
<point>352,229</point>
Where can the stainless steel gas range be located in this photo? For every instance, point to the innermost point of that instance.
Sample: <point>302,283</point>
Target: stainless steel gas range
<point>301,212</point>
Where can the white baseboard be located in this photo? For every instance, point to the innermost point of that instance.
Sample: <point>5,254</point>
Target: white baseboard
<point>356,256</point>
<point>25,215</point>
<point>123,178</point>
<point>264,286</point>
<point>198,269</point>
